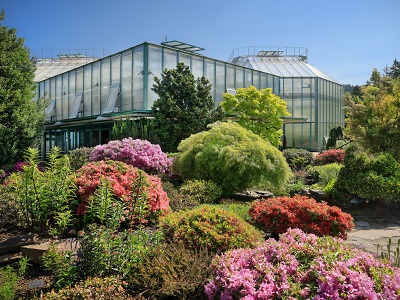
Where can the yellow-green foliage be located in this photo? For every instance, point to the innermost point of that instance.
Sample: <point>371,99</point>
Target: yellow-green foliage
<point>234,158</point>
<point>210,227</point>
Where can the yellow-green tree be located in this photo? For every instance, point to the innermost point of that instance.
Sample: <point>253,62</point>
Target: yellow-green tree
<point>259,111</point>
<point>374,118</point>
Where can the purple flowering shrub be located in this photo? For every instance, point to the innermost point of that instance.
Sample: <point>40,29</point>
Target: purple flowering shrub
<point>302,266</point>
<point>138,153</point>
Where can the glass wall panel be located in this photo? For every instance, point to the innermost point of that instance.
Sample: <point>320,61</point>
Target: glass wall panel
<point>297,135</point>
<point>185,58</point>
<point>209,74</point>
<point>41,89</point>
<point>105,82</point>
<point>239,77</point>
<point>79,81</point>
<point>248,80</point>
<point>138,78</point>
<point>96,86</point>
<point>287,94</point>
<point>197,66</point>
<point>71,90</point>
<point>297,94</point>
<point>276,85</point>
<point>116,69</point>
<point>87,90</point>
<point>270,84</point>
<point>59,102</point>
<point>289,135</point>
<point>126,82</point>
<point>220,83</point>
<point>47,89</point>
<point>53,88</point>
<point>230,77</point>
<point>155,69</point>
<point>65,97</point>
<point>256,79</point>
<point>306,137</point>
<point>170,59</point>
<point>264,81</point>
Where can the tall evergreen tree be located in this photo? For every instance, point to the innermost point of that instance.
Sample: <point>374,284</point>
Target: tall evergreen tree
<point>21,118</point>
<point>184,106</point>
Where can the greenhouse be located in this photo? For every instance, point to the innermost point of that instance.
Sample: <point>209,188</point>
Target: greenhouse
<point>89,96</point>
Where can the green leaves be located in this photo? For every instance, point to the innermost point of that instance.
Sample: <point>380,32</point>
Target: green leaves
<point>259,111</point>
<point>184,106</point>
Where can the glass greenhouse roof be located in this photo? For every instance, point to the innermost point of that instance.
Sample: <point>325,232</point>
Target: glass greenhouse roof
<point>182,46</point>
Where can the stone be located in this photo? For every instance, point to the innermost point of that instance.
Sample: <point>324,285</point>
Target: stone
<point>36,284</point>
<point>362,224</point>
<point>9,258</point>
<point>13,244</point>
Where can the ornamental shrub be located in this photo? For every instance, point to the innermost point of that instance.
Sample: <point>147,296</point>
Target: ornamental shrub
<point>302,266</point>
<point>298,158</point>
<point>232,157</point>
<point>138,153</point>
<point>79,156</point>
<point>210,227</point>
<point>368,176</point>
<point>201,191</point>
<point>329,157</point>
<point>92,288</point>
<point>324,174</point>
<point>278,214</point>
<point>142,194</point>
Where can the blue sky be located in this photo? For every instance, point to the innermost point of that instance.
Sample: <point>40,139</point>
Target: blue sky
<point>345,38</point>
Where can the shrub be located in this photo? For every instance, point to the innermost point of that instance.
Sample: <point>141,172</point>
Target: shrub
<point>142,194</point>
<point>44,197</point>
<point>78,157</point>
<point>200,191</point>
<point>172,271</point>
<point>210,227</point>
<point>329,157</point>
<point>9,277</point>
<point>298,158</point>
<point>177,200</point>
<point>368,176</point>
<point>241,210</point>
<point>276,215</point>
<point>105,252</point>
<point>301,266</point>
<point>92,288</point>
<point>232,157</point>
<point>325,174</point>
<point>138,153</point>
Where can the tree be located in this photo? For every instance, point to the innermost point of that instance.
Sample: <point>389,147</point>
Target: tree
<point>184,106</point>
<point>234,158</point>
<point>259,111</point>
<point>394,70</point>
<point>21,118</point>
<point>374,118</point>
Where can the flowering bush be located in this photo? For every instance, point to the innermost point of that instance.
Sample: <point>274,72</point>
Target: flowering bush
<point>329,157</point>
<point>128,183</point>
<point>138,153</point>
<point>201,191</point>
<point>210,227</point>
<point>301,266</point>
<point>278,214</point>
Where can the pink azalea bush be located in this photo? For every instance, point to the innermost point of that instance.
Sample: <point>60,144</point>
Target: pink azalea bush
<point>124,180</point>
<point>302,266</point>
<point>138,153</point>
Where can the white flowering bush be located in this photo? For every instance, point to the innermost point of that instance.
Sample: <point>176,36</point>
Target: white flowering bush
<point>302,266</point>
<point>138,153</point>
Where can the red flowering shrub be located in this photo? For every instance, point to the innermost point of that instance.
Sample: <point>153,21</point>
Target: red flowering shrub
<point>210,227</point>
<point>128,183</point>
<point>278,214</point>
<point>330,156</point>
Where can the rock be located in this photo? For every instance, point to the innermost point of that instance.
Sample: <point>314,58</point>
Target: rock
<point>13,244</point>
<point>318,195</point>
<point>362,224</point>
<point>35,252</point>
<point>36,284</point>
<point>9,258</point>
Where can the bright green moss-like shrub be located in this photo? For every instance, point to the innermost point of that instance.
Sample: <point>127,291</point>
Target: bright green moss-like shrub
<point>210,227</point>
<point>234,158</point>
<point>201,191</point>
<point>324,175</point>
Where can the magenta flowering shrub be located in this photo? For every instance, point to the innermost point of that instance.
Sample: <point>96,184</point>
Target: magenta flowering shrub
<point>302,266</point>
<point>138,153</point>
